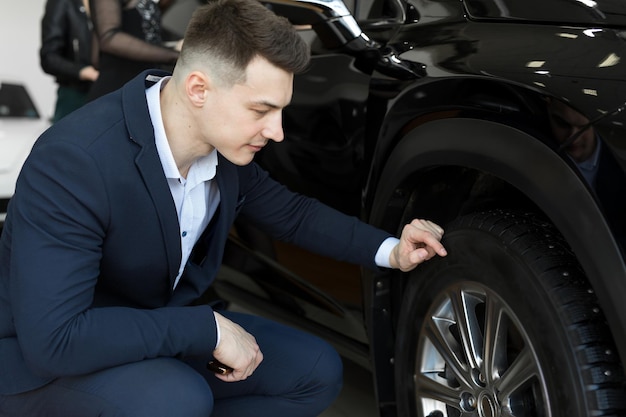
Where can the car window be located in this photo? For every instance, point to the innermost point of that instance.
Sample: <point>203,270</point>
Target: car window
<point>590,12</point>
<point>15,102</point>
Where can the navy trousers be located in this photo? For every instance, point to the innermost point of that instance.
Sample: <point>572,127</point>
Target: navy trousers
<point>300,376</point>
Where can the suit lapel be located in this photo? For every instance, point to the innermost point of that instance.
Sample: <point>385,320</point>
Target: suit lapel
<point>149,165</point>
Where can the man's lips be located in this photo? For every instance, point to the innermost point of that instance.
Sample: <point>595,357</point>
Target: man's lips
<point>256,147</point>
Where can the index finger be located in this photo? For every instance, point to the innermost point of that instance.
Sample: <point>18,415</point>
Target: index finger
<point>435,244</point>
<point>428,237</point>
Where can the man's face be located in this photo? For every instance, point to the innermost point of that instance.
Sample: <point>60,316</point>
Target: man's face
<point>565,122</point>
<point>240,120</point>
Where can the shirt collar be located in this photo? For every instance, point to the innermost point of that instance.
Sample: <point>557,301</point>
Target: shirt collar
<point>591,163</point>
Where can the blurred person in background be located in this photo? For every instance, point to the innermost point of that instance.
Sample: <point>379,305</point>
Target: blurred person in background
<point>576,136</point>
<point>67,52</point>
<point>565,123</point>
<point>131,40</point>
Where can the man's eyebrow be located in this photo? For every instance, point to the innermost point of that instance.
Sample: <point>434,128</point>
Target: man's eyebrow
<point>267,104</point>
<point>563,120</point>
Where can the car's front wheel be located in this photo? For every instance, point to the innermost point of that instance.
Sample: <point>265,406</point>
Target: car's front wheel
<point>505,325</point>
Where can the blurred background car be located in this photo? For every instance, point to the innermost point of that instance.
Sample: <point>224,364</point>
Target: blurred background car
<point>20,125</point>
<point>501,120</point>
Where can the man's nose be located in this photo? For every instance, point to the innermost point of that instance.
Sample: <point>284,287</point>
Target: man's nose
<point>274,128</point>
<point>571,131</point>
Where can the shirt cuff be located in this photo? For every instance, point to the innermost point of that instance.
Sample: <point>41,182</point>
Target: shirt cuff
<point>217,328</point>
<point>384,251</point>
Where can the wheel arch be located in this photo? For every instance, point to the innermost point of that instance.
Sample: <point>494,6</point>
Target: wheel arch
<point>455,145</point>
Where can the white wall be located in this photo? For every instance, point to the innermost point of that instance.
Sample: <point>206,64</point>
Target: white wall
<point>20,35</point>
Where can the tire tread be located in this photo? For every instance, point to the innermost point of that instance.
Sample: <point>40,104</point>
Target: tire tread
<point>550,257</point>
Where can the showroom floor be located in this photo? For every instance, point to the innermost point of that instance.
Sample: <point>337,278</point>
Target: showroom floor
<point>357,397</point>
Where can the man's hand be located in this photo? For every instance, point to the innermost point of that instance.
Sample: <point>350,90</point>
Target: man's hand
<point>419,242</point>
<point>237,349</point>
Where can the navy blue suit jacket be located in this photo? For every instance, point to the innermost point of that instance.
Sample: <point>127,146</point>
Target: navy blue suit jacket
<point>91,246</point>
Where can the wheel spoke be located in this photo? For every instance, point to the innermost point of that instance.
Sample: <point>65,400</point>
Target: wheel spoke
<point>519,374</point>
<point>443,351</point>
<point>495,339</point>
<point>433,390</point>
<point>439,357</point>
<point>464,306</point>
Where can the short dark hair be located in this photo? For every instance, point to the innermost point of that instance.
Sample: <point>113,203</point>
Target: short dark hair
<point>228,34</point>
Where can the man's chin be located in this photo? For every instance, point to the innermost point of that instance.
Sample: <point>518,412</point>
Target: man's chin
<point>578,156</point>
<point>241,160</point>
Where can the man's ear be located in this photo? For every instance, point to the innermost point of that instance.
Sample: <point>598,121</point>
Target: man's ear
<point>197,86</point>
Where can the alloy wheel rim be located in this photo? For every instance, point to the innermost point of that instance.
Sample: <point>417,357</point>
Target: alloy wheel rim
<point>474,358</point>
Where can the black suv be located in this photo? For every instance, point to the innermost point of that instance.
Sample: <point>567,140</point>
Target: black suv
<point>502,121</point>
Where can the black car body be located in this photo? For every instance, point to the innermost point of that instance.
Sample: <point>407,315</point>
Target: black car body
<point>440,109</point>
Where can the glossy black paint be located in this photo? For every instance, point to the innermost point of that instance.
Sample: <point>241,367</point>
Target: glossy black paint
<point>485,69</point>
<point>387,145</point>
<point>601,13</point>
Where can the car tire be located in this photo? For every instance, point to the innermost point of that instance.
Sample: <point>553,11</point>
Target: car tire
<point>505,325</point>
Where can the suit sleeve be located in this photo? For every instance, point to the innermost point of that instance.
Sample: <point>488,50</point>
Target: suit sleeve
<point>59,216</point>
<point>306,222</point>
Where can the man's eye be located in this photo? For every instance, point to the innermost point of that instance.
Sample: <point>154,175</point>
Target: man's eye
<point>560,122</point>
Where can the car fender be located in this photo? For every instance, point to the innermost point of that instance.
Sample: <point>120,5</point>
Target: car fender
<point>517,158</point>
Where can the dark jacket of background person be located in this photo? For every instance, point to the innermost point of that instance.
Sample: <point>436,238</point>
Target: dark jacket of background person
<point>130,39</point>
<point>66,48</point>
